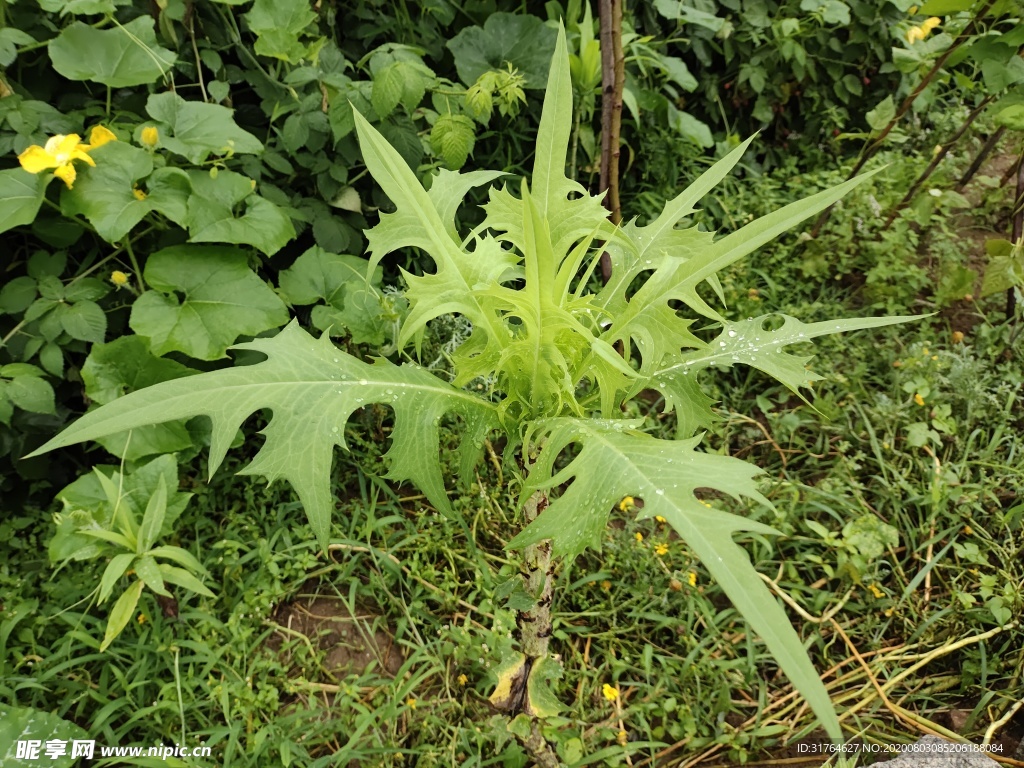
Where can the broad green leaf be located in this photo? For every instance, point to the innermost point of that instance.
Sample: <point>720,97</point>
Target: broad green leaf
<point>882,114</point>
<point>349,303</point>
<point>81,7</point>
<point>317,276</point>
<point>614,462</point>
<point>180,556</point>
<point>18,294</point>
<point>182,578</point>
<point>278,25</point>
<point>311,389</point>
<point>749,342</point>
<point>22,723</point>
<point>196,130</point>
<point>85,321</point>
<point>452,138</point>
<point>153,520</point>
<point>121,614</point>
<point>540,699</point>
<point>521,40</point>
<point>26,390</point>
<point>112,198</point>
<point>211,213</point>
<point>115,569</point>
<point>88,513</point>
<point>125,365</point>
<point>388,87</point>
<point>120,57</point>
<point>222,300</point>
<point>21,194</point>
<point>147,569</point>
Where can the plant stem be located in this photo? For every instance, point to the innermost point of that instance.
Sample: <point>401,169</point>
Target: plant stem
<point>984,152</point>
<point>135,264</point>
<point>535,624</point>
<point>936,159</point>
<point>613,76</point>
<point>1017,232</point>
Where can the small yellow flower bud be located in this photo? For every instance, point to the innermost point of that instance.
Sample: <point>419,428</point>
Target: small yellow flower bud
<point>968,530</point>
<point>930,23</point>
<point>876,591</point>
<point>410,703</point>
<point>627,504</point>
<point>918,399</point>
<point>660,519</point>
<point>638,536</point>
<point>138,194</point>
<point>691,577</point>
<point>611,693</point>
<point>150,136</point>
<point>142,618</point>
<point>622,738</point>
<point>958,337</point>
<point>914,34</point>
<point>606,585</point>
<point>912,10</point>
<point>462,680</point>
<point>119,278</point>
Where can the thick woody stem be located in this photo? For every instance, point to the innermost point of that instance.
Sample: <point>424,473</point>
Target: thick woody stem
<point>613,79</point>
<point>535,624</point>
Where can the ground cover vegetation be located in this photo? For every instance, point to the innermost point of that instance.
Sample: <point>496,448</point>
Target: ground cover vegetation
<point>187,178</point>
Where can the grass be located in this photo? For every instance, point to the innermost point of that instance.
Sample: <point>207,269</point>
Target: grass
<point>902,561</point>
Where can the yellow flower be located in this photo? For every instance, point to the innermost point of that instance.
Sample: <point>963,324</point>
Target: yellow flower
<point>660,519</point>
<point>139,194</point>
<point>606,585</point>
<point>622,738</point>
<point>918,399</point>
<point>462,680</point>
<point>627,504</point>
<point>119,278</point>
<point>691,577</point>
<point>610,692</point>
<point>150,136</point>
<point>142,618</point>
<point>912,10</point>
<point>661,549</point>
<point>638,536</point>
<point>914,34</point>
<point>99,136</point>
<point>968,530</point>
<point>410,703</point>
<point>59,152</point>
<point>930,23</point>
<point>958,337</point>
<point>876,591</point>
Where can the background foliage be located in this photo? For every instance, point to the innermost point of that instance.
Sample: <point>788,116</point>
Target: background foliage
<point>899,494</point>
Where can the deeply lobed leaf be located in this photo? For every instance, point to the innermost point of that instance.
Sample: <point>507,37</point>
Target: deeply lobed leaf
<point>312,389</point>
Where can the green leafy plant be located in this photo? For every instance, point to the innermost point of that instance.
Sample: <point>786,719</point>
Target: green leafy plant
<point>121,517</point>
<point>563,356</point>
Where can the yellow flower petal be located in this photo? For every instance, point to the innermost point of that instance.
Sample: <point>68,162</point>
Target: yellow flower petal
<point>611,693</point>
<point>99,136</point>
<point>139,194</point>
<point>930,23</point>
<point>150,136</point>
<point>35,159</point>
<point>118,278</point>
<point>54,142</point>
<point>66,173</point>
<point>918,399</point>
